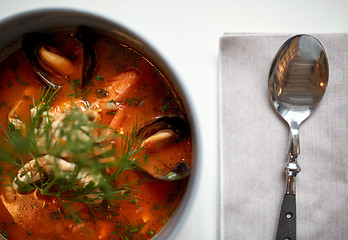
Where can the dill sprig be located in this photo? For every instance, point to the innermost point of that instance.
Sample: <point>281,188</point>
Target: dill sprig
<point>71,138</point>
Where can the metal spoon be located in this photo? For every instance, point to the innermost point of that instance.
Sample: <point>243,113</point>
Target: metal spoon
<point>297,82</point>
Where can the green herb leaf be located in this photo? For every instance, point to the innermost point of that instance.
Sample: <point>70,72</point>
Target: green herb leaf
<point>4,233</point>
<point>100,78</point>
<point>21,82</point>
<point>73,136</point>
<point>165,108</point>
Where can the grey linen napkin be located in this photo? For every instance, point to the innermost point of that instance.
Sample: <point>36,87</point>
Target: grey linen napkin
<point>254,144</point>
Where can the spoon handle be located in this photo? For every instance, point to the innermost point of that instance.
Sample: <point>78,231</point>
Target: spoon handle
<point>287,219</point>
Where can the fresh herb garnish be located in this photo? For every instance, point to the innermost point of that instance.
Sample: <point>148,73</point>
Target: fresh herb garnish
<point>3,104</point>
<point>75,84</point>
<point>135,62</point>
<point>8,84</point>
<point>111,113</point>
<point>138,101</point>
<point>85,93</point>
<point>72,136</point>
<point>164,108</point>
<point>126,232</point>
<point>4,233</point>
<point>55,215</point>
<point>21,82</point>
<point>100,78</point>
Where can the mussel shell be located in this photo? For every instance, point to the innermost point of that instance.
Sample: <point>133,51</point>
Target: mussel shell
<point>30,44</point>
<point>176,123</point>
<point>180,172</point>
<point>87,38</point>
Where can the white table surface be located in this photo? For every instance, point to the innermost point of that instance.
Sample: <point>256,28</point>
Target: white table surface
<point>187,33</point>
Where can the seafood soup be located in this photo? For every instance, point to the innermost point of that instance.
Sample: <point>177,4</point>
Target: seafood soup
<point>95,140</point>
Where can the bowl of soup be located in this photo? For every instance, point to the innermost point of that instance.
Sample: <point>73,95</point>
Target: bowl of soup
<point>98,136</point>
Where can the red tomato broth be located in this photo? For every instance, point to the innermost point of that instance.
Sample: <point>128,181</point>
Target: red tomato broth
<point>33,216</point>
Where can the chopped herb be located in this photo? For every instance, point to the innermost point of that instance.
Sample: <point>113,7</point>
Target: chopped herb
<point>8,84</point>
<point>150,233</point>
<point>143,87</point>
<point>29,233</point>
<point>165,108</point>
<point>156,207</point>
<point>55,215</point>
<point>136,229</point>
<point>21,82</point>
<point>112,101</point>
<point>4,233</point>
<point>100,78</point>
<point>111,113</point>
<point>3,104</point>
<point>118,226</point>
<point>138,101</point>
<point>146,158</point>
<point>84,94</point>
<point>77,82</point>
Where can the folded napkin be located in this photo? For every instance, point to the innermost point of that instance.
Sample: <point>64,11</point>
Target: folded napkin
<point>254,144</point>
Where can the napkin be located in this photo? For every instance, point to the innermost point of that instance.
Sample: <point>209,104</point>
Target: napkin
<point>254,144</point>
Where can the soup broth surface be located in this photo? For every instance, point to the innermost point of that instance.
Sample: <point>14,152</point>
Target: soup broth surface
<point>126,92</point>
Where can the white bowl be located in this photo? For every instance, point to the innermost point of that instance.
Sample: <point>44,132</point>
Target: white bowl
<point>13,28</point>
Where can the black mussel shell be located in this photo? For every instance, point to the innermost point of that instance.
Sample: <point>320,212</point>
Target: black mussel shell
<point>87,38</point>
<point>178,124</point>
<point>32,41</point>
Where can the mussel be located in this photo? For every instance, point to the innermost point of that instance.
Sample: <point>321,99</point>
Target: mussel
<point>53,64</point>
<point>156,134</point>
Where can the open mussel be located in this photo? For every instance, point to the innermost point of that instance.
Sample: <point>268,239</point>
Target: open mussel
<point>56,58</point>
<point>157,135</point>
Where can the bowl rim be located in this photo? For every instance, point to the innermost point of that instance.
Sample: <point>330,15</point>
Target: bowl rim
<point>14,26</point>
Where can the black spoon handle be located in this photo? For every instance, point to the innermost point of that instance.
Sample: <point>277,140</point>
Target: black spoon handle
<point>287,219</point>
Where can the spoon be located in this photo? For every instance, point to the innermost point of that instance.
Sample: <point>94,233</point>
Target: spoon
<point>297,82</point>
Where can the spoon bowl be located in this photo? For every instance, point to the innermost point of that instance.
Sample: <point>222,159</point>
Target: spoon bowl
<point>298,78</point>
<point>297,82</point>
